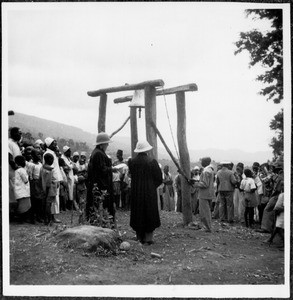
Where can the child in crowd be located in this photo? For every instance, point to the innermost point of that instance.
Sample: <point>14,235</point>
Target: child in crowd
<point>116,187</point>
<point>194,191</point>
<point>22,189</point>
<point>49,185</point>
<point>168,191</point>
<point>250,202</point>
<point>127,181</point>
<point>81,175</point>
<point>259,191</point>
<point>63,193</point>
<point>37,196</point>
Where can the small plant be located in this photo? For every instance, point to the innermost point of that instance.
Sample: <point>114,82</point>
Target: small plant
<point>98,215</point>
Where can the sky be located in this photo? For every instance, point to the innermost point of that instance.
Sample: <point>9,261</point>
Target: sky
<point>56,53</point>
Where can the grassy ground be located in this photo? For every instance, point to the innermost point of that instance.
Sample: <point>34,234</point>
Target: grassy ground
<point>228,255</point>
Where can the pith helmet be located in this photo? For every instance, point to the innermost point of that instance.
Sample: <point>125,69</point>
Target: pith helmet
<point>142,146</point>
<point>102,138</point>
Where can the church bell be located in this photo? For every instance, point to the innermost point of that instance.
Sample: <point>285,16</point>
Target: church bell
<point>137,100</point>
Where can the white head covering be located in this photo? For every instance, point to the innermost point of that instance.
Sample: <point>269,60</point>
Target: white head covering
<point>142,146</point>
<point>225,163</point>
<point>65,148</point>
<point>48,141</point>
<point>38,142</point>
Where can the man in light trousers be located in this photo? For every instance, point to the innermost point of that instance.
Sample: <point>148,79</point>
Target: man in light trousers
<point>206,193</point>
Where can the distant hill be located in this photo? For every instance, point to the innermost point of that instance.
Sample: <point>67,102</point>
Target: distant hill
<point>36,125</point>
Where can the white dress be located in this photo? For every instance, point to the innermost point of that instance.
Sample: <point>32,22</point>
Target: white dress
<point>22,190</point>
<point>70,175</point>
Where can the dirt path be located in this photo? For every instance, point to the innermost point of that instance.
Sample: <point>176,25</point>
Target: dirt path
<point>228,255</point>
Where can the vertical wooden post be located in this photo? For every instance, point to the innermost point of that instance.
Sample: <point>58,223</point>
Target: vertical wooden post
<point>102,113</point>
<point>151,115</point>
<point>184,157</point>
<point>133,130</point>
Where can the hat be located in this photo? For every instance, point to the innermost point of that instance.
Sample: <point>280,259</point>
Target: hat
<point>75,154</point>
<point>225,163</point>
<point>142,146</point>
<point>102,138</point>
<point>83,153</point>
<point>38,142</point>
<point>48,141</point>
<point>196,168</point>
<point>65,148</point>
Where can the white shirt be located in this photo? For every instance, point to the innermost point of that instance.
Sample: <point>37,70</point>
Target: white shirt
<point>21,184</point>
<point>258,183</point>
<point>13,148</point>
<point>247,184</point>
<point>36,169</point>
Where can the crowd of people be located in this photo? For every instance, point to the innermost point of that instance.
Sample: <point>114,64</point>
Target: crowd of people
<point>44,180</point>
<point>252,196</point>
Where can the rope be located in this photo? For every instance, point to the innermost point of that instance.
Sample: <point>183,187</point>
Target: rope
<point>169,152</point>
<point>113,133</point>
<point>167,113</point>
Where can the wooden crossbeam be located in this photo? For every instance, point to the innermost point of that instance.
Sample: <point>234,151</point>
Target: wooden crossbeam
<point>123,99</point>
<point>192,87</point>
<point>126,87</point>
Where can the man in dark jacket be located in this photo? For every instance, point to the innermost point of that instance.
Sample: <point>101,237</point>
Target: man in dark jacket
<point>225,186</point>
<point>146,176</point>
<point>100,172</point>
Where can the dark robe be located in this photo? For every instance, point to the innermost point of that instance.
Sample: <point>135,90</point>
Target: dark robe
<point>146,176</point>
<point>100,172</point>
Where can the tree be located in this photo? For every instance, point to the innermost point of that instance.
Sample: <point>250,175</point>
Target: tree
<point>266,48</point>
<point>277,124</point>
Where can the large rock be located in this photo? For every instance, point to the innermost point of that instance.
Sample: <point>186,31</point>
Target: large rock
<point>89,238</point>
